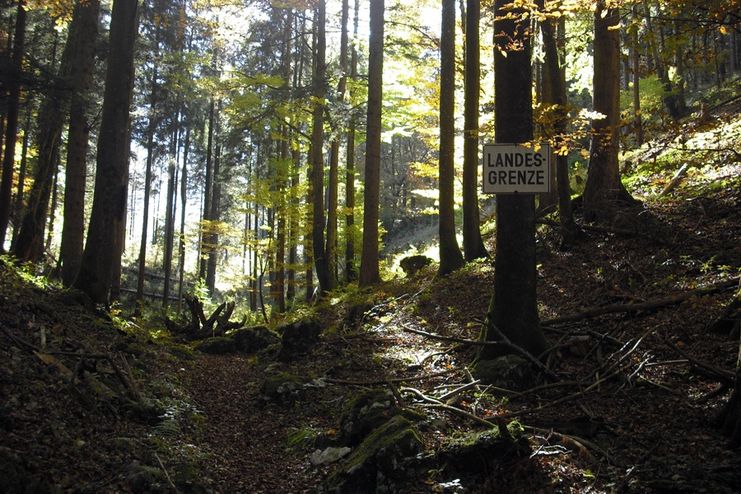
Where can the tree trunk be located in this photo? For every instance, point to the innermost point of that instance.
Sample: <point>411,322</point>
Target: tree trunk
<point>450,254</point>
<point>557,96</point>
<point>369,272</point>
<point>11,120</point>
<point>473,245</point>
<point>321,263</point>
<point>30,242</point>
<point>513,310</point>
<point>183,205</point>
<point>169,221</point>
<point>207,192</point>
<point>350,268</point>
<point>108,216</point>
<point>20,190</point>
<point>604,190</point>
<point>215,215</point>
<point>669,96</point>
<point>151,126</point>
<point>636,59</point>
<point>78,133</point>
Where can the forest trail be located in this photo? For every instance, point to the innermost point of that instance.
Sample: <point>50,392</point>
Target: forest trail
<point>640,412</point>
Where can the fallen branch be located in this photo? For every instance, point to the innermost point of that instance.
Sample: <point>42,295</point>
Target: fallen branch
<point>507,342</point>
<point>167,475</point>
<point>380,382</point>
<point>452,339</point>
<point>643,306</point>
<point>577,443</point>
<point>723,376</point>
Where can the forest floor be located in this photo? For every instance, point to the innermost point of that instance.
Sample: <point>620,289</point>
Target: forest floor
<point>93,402</point>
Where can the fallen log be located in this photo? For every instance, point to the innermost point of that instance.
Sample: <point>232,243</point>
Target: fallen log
<point>642,306</point>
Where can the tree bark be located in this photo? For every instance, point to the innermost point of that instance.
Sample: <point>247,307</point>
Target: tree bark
<point>183,205</point>
<point>351,273</point>
<point>513,310</point>
<point>215,216</point>
<point>557,96</point>
<point>636,64</point>
<point>11,120</point>
<point>319,82</point>
<point>108,216</point>
<point>207,193</point>
<point>22,171</point>
<point>450,254</point>
<point>604,191</point>
<point>151,126</point>
<point>369,272</point>
<point>473,245</point>
<point>81,78</point>
<point>169,220</point>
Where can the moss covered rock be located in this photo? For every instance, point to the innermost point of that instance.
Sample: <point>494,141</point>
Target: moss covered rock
<point>250,340</point>
<point>282,388</point>
<point>298,338</point>
<point>379,461</point>
<point>217,345</point>
<point>367,411</point>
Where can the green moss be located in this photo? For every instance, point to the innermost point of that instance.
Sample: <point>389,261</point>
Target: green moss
<point>217,345</point>
<point>382,451</point>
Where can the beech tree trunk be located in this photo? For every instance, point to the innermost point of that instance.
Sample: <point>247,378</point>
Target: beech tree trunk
<point>369,272</point>
<point>513,310</point>
<point>99,260</point>
<point>604,191</point>
<point>556,93</point>
<point>450,254</point>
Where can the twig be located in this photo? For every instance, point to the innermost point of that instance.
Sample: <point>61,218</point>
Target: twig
<point>459,390</point>
<point>164,470</point>
<point>392,380</point>
<point>507,342</point>
<point>448,338</point>
<point>722,375</point>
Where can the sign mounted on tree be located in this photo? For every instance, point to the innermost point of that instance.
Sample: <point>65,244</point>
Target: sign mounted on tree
<point>516,169</point>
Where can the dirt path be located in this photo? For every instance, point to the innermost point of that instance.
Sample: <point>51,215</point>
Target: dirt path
<point>247,442</point>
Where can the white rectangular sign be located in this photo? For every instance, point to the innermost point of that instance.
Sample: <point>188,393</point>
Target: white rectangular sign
<point>513,168</point>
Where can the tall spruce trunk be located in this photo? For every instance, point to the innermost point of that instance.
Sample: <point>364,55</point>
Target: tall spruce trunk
<point>369,270</point>
<point>450,254</point>
<point>473,245</point>
<point>169,222</point>
<point>513,310</point>
<point>101,257</point>
<point>351,273</point>
<point>207,193</point>
<point>78,133</point>
<point>215,216</point>
<point>319,90</point>
<point>11,120</point>
<point>151,127</point>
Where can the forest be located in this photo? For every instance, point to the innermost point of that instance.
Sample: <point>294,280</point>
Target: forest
<point>382,246</point>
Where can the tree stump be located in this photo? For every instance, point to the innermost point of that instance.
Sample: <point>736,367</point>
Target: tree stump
<point>200,326</point>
